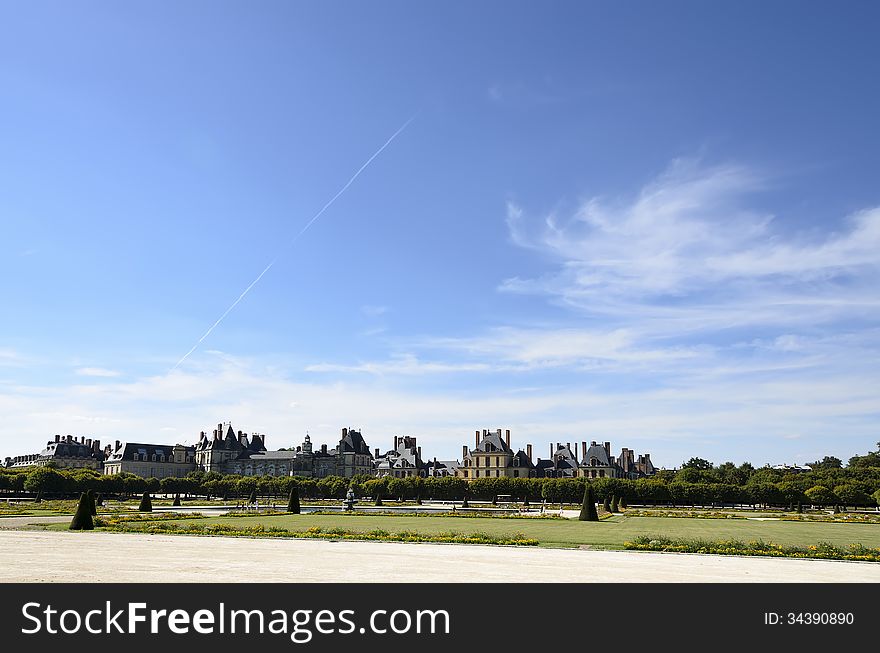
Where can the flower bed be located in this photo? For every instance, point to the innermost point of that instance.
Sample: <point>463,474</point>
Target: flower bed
<point>690,514</point>
<point>822,551</point>
<point>316,532</point>
<point>465,514</point>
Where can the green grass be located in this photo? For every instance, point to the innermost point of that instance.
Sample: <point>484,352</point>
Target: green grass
<point>607,534</point>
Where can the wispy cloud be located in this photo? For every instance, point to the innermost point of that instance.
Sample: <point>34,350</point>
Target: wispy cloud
<point>97,371</point>
<point>373,311</point>
<point>689,245</point>
<point>689,417</point>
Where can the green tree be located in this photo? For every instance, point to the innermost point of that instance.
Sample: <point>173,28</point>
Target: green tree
<point>45,480</point>
<point>697,463</point>
<point>851,494</point>
<point>82,518</point>
<point>828,462</point>
<point>397,488</point>
<point>588,506</point>
<point>293,501</point>
<point>822,496</point>
<point>614,503</point>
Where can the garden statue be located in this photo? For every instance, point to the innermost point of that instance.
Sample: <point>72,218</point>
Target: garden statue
<point>349,500</point>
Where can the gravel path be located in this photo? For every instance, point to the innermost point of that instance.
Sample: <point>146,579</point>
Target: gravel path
<point>27,556</point>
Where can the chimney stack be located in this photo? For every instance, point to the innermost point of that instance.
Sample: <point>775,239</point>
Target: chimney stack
<point>323,448</point>
<point>89,443</point>
<point>96,446</point>
<point>377,452</point>
<point>529,451</point>
<point>507,437</point>
<point>344,432</point>
<point>464,452</point>
<point>117,446</point>
<point>57,438</point>
<point>608,449</point>
<point>551,450</point>
<point>477,439</point>
<point>419,451</point>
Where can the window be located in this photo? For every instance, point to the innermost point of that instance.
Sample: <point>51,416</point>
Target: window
<point>497,461</point>
<point>516,473</point>
<point>465,474</point>
<point>601,473</point>
<point>477,474</point>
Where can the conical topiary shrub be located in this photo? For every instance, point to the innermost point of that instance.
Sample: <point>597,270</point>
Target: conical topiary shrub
<point>495,500</point>
<point>464,502</point>
<point>39,497</point>
<point>253,497</point>
<point>293,500</point>
<point>606,505</point>
<point>146,503</point>
<point>82,519</point>
<point>99,499</point>
<point>176,501</point>
<point>378,501</point>
<point>588,508</point>
<point>614,504</point>
<point>419,500</point>
<point>836,509</point>
<point>91,496</point>
<point>800,507</point>
<point>623,502</point>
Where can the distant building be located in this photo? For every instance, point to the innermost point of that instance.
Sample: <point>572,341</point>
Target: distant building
<point>62,453</point>
<point>231,452</point>
<point>442,468</point>
<point>792,468</point>
<point>151,460</point>
<point>403,461</point>
<point>563,463</point>
<point>597,462</point>
<point>223,452</point>
<point>492,457</point>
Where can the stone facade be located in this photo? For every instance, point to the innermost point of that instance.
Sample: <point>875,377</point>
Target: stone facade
<point>231,452</point>
<point>403,461</point>
<point>63,453</point>
<point>492,457</point>
<point>151,460</point>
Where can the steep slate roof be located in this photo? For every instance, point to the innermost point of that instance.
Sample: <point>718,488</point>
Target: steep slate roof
<point>127,450</point>
<point>520,459</point>
<point>598,452</point>
<point>353,442</point>
<point>64,449</point>
<point>492,442</point>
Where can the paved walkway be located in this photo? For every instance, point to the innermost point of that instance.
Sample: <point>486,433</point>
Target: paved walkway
<point>27,556</point>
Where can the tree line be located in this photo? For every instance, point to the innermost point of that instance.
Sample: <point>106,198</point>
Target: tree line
<point>697,483</point>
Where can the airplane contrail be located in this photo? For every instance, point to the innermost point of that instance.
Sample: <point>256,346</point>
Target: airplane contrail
<point>292,242</point>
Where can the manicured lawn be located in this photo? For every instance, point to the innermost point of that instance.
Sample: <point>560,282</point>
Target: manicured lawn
<point>611,533</point>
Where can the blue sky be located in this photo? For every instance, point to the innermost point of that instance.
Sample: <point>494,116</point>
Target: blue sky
<point>651,223</point>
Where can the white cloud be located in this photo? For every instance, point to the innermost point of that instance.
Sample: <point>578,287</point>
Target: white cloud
<point>97,371</point>
<point>373,311</point>
<point>687,247</point>
<point>689,416</point>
